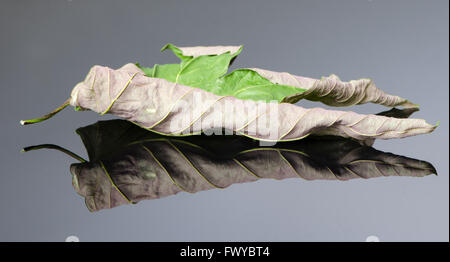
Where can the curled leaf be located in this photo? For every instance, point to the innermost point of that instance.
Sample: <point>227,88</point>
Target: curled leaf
<point>173,109</point>
<point>334,92</point>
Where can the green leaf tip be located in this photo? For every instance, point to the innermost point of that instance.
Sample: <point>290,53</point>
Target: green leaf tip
<point>409,104</point>
<point>177,51</point>
<point>168,46</point>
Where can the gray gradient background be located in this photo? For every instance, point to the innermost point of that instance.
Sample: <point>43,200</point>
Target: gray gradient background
<point>47,47</point>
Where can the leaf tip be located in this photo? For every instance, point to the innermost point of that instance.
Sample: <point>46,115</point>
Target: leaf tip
<point>409,104</point>
<point>240,49</point>
<point>165,47</point>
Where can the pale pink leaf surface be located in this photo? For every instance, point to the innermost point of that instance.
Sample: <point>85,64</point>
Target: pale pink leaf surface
<point>208,50</point>
<point>157,104</point>
<point>334,92</point>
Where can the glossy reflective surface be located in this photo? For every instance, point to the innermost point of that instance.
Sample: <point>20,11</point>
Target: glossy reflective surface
<point>48,46</point>
<point>128,164</point>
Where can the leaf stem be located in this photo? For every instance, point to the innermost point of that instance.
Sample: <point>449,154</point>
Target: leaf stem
<point>47,116</point>
<point>52,146</point>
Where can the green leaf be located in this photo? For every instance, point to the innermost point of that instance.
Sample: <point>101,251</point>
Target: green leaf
<point>248,84</point>
<point>200,71</point>
<point>167,71</point>
<point>207,72</point>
